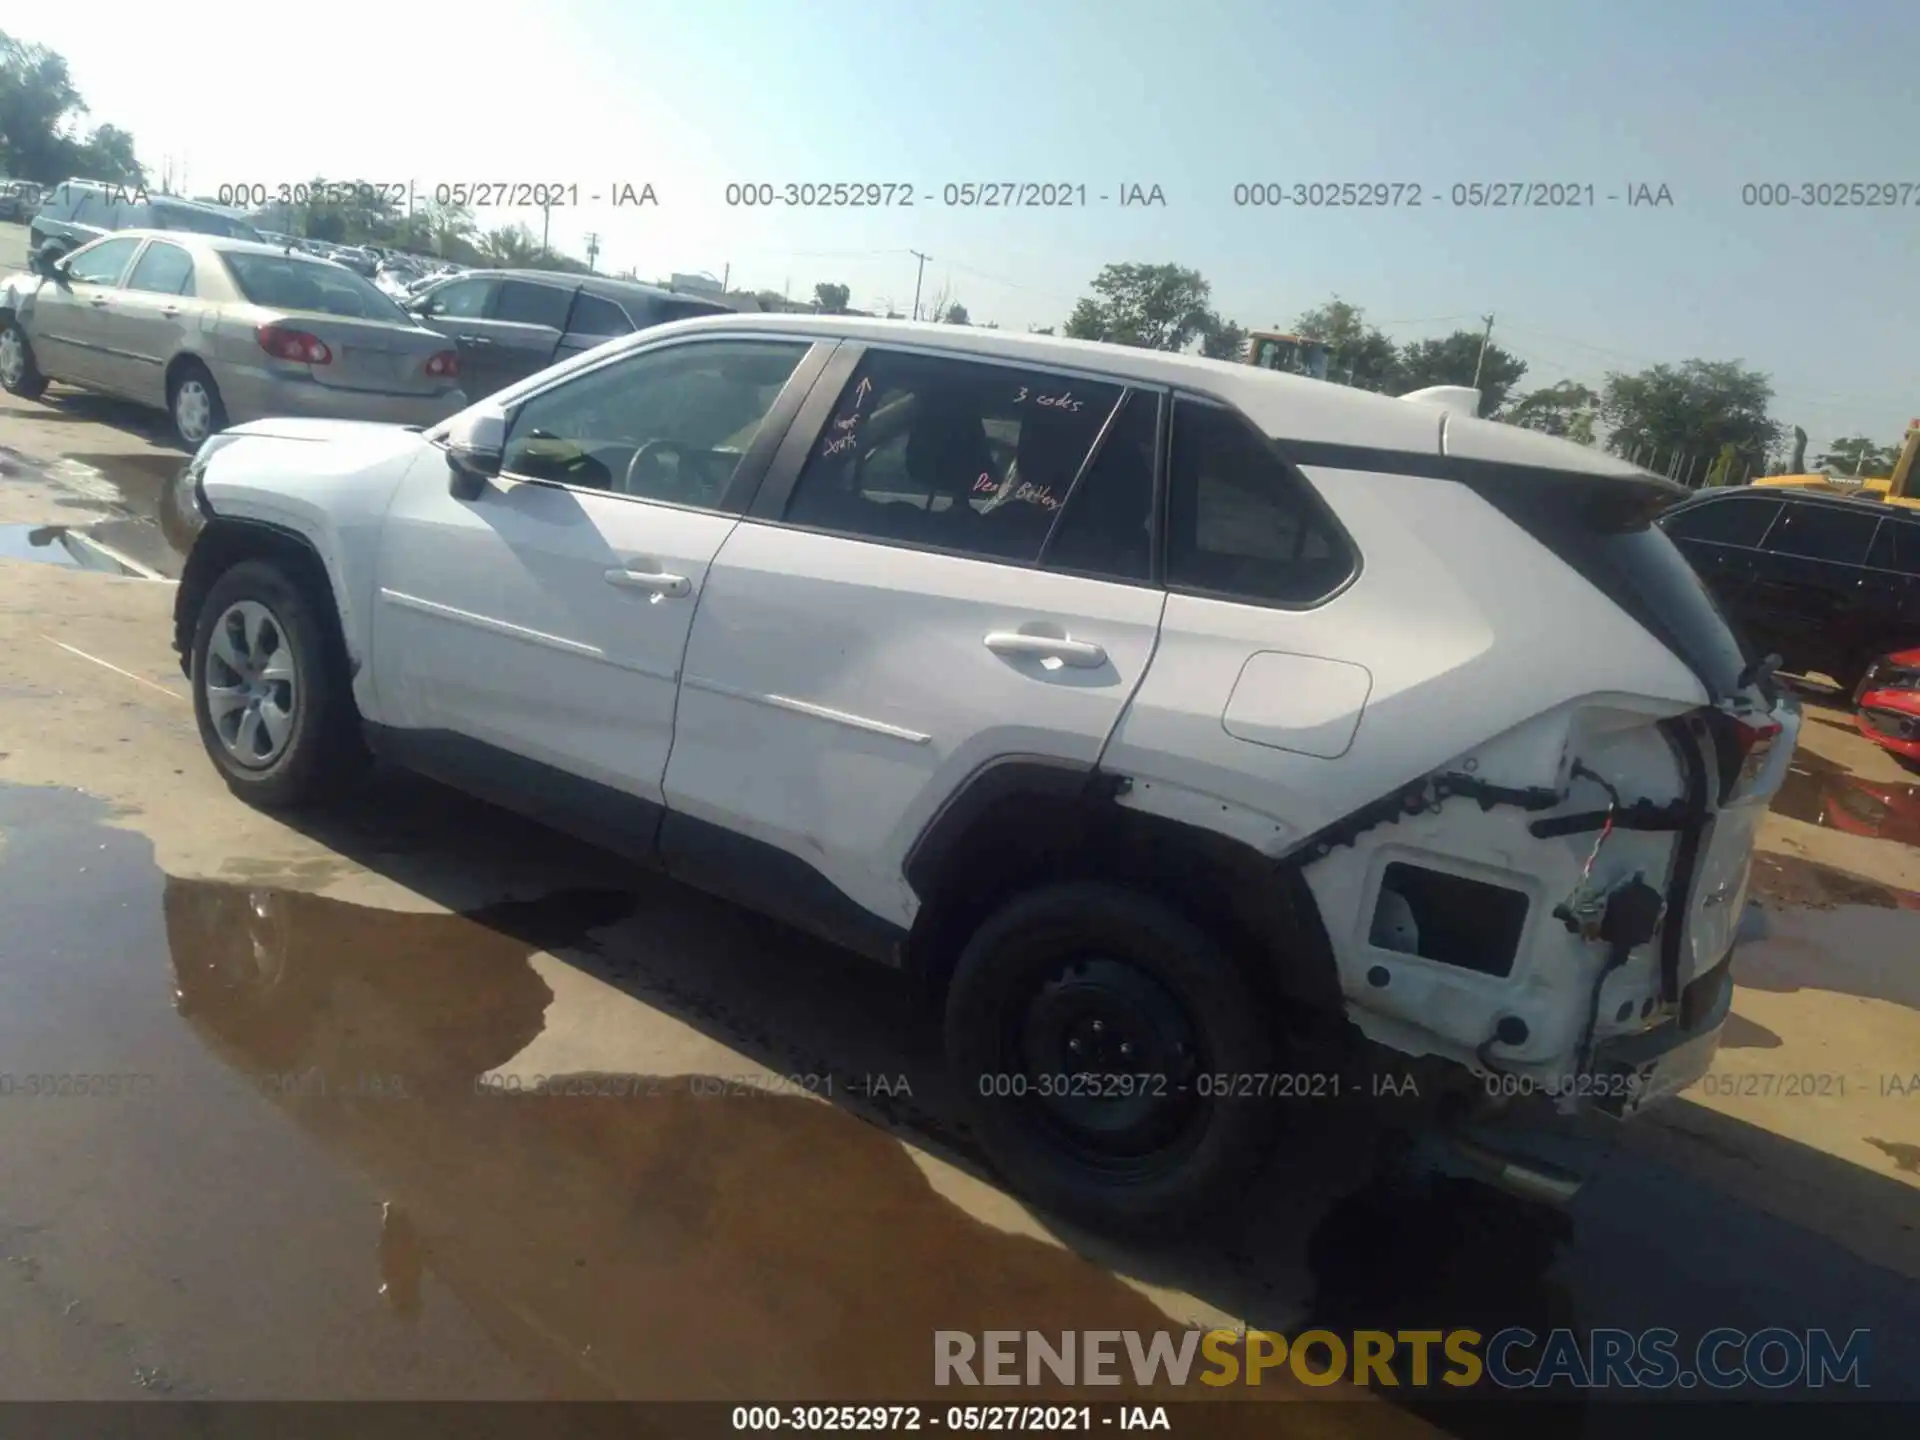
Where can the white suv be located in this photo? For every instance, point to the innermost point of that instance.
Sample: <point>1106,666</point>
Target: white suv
<point>1157,713</point>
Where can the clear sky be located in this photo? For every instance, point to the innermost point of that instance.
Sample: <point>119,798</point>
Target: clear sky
<point>1193,96</point>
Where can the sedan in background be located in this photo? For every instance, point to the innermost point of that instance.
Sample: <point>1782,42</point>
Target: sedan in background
<point>218,331</point>
<point>1887,706</point>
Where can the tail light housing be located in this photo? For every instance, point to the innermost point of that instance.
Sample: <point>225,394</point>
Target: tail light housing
<point>284,343</point>
<point>444,365</point>
<point>1747,744</point>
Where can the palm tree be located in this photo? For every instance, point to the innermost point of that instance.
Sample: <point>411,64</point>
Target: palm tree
<point>510,247</point>
<point>447,227</point>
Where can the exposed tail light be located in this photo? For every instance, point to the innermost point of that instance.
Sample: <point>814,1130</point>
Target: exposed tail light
<point>1751,740</point>
<point>296,345</point>
<point>445,364</point>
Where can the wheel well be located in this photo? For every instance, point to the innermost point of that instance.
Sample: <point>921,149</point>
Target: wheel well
<point>179,366</point>
<point>1040,830</point>
<point>222,545</point>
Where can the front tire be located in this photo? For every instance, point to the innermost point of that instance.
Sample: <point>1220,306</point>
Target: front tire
<point>1098,1037</point>
<point>19,371</point>
<point>271,691</point>
<point>193,402</point>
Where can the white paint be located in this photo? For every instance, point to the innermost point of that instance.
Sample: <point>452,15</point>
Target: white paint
<point>109,665</point>
<point>1298,702</point>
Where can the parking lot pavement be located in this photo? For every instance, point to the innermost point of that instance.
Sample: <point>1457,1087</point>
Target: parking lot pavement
<point>262,1133</point>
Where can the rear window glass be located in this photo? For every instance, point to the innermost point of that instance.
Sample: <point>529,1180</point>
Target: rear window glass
<point>594,316</point>
<point>282,282</point>
<point>200,222</point>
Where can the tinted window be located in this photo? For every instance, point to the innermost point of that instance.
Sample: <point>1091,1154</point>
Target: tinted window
<point>462,300</point>
<point>164,269</point>
<point>668,424</point>
<point>102,262</point>
<point>90,208</point>
<point>594,316</point>
<point>1106,529</point>
<point>664,311</point>
<point>286,282</point>
<point>1896,546</point>
<point>61,204</point>
<point>1239,522</point>
<point>1732,521</point>
<point>526,303</point>
<point>952,454</point>
<point>1823,532</point>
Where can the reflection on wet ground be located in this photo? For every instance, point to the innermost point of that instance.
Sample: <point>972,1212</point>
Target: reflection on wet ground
<point>122,492</point>
<point>1821,792</point>
<point>58,545</point>
<point>1792,882</point>
<point>308,1195</point>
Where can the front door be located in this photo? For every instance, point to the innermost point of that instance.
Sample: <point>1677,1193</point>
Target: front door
<point>900,607</point>
<point>548,618</point>
<point>71,316</point>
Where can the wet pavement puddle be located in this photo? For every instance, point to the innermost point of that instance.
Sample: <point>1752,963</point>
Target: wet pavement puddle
<point>1820,792</point>
<point>60,545</point>
<point>295,1187</point>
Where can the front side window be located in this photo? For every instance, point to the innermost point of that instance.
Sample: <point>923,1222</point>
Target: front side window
<point>670,425</point>
<point>1823,532</point>
<point>1896,546</point>
<point>1240,524</point>
<point>102,262</point>
<point>163,270</point>
<point>951,454</point>
<point>462,300</point>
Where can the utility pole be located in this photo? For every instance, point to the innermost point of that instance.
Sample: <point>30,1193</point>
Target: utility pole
<point>1483,352</point>
<point>726,276</point>
<point>916,280</point>
<point>593,250</point>
<point>546,219</point>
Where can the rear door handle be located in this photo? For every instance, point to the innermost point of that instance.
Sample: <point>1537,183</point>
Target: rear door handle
<point>98,302</point>
<point>1081,654</point>
<point>654,581</point>
<point>478,341</point>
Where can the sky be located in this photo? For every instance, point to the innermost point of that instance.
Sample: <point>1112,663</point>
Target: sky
<point>1194,98</point>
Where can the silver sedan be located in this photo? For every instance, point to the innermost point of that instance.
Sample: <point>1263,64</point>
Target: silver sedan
<point>218,331</point>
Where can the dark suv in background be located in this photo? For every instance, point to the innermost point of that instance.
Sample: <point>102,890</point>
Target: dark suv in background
<point>75,212</point>
<point>509,324</point>
<point>1827,582</point>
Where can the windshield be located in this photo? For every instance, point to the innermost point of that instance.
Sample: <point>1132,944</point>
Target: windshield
<point>201,222</point>
<point>287,282</point>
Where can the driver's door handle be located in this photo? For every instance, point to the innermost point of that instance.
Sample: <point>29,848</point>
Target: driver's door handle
<point>1083,654</point>
<point>657,582</point>
<point>98,302</point>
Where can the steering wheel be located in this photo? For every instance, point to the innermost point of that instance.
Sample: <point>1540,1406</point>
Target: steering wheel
<point>650,453</point>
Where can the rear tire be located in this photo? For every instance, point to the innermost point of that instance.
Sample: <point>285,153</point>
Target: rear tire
<point>19,371</point>
<point>271,690</point>
<point>194,404</point>
<point>1145,1145</point>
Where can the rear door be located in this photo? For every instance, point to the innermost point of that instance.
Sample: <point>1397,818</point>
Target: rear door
<point>521,332</point>
<point>1808,582</point>
<point>155,310</point>
<point>458,310</point>
<point>594,320</point>
<point>897,610</point>
<point>1890,584</point>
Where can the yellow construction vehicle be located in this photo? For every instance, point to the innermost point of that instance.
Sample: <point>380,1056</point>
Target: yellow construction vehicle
<point>1289,354</point>
<point>1902,487</point>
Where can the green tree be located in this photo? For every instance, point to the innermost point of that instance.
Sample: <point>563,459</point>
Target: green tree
<point>956,314</point>
<point>1453,359</point>
<point>1360,355</point>
<point>772,301</point>
<point>39,115</point>
<point>511,247</point>
<point>1697,406</point>
<point>1569,409</point>
<point>446,229</point>
<point>1225,341</point>
<point>1154,307</point>
<point>831,299</point>
<point>1857,455</point>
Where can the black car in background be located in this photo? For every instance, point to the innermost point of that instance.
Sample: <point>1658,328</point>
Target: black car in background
<point>509,324</point>
<point>1827,582</point>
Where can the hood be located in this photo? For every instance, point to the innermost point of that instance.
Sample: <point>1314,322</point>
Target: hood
<point>289,428</point>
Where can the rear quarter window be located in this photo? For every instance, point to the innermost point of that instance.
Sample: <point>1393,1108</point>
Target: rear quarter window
<point>1823,532</point>
<point>1896,546</point>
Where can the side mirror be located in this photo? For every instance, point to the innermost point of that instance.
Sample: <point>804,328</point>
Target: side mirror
<point>476,446</point>
<point>46,260</point>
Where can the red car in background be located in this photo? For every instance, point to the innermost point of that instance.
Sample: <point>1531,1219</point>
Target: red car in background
<point>1886,706</point>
